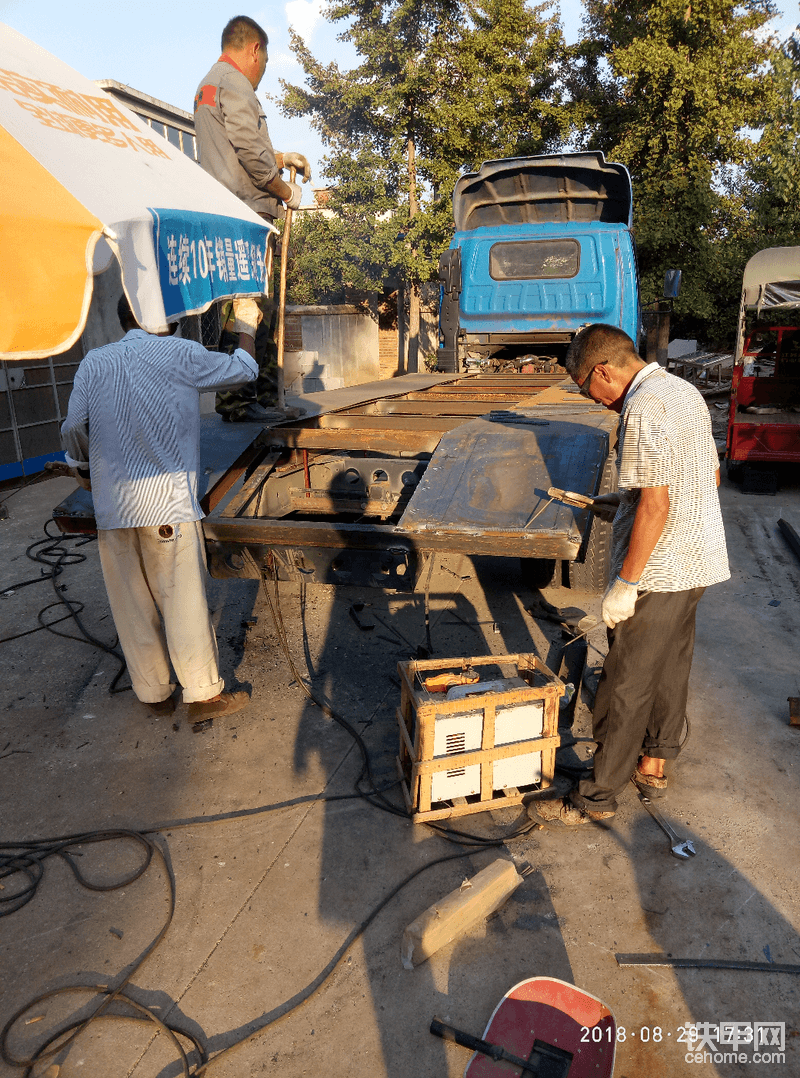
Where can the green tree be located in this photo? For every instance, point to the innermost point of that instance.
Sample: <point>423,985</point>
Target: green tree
<point>441,86</point>
<point>674,89</point>
<point>773,181</point>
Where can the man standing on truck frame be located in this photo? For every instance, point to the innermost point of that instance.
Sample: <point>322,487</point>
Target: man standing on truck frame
<point>235,148</point>
<point>668,546</point>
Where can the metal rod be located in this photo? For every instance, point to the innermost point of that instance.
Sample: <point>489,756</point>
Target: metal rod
<point>287,228</point>
<point>307,473</point>
<point>703,963</point>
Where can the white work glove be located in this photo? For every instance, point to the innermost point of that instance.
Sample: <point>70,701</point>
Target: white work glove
<point>299,162</point>
<point>293,202</point>
<point>246,316</point>
<point>619,602</point>
<point>605,507</point>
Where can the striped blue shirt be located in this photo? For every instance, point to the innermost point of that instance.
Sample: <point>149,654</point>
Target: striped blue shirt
<point>134,420</point>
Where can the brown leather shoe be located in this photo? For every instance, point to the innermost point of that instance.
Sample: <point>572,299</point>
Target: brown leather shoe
<point>227,703</point>
<point>162,708</point>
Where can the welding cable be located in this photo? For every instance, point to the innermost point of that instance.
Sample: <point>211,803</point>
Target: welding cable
<point>52,548</point>
<point>29,858</point>
<point>299,998</point>
<point>374,795</point>
<point>280,628</point>
<point>427,604</point>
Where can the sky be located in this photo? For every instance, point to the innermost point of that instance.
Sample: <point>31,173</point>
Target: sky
<point>165,48</point>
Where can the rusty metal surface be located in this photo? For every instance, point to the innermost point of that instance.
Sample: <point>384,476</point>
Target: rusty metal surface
<point>481,487</point>
<point>492,475</point>
<point>476,497</point>
<point>402,442</point>
<point>75,514</point>
<point>267,532</point>
<point>449,407</point>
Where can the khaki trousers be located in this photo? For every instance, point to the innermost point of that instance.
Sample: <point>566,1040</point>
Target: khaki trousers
<point>155,573</point>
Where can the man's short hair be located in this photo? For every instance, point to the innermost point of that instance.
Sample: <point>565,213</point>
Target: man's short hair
<point>241,31</point>
<point>598,344</point>
<point>126,316</point>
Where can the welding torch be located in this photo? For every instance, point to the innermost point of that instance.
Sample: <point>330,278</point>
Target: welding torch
<point>605,506</point>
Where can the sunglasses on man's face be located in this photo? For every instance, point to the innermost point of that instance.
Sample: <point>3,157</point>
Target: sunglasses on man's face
<point>586,384</point>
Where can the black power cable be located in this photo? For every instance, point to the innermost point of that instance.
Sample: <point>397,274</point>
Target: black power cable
<point>27,860</point>
<point>373,795</point>
<point>115,1002</point>
<point>55,556</point>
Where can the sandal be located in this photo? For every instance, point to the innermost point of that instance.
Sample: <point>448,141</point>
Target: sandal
<point>652,782</point>
<point>564,812</point>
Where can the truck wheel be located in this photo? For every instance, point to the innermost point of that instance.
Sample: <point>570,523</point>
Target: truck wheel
<point>537,573</point>
<point>592,573</point>
<point>734,470</point>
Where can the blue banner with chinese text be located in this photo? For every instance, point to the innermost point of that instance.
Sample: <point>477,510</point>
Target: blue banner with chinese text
<point>203,257</point>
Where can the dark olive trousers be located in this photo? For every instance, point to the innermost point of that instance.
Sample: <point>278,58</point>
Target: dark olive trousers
<point>642,693</point>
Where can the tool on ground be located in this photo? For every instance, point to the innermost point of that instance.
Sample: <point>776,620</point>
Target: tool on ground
<point>586,624</point>
<point>704,963</point>
<point>361,621</point>
<point>544,1027</point>
<point>680,847</point>
<point>545,1059</point>
<point>287,228</point>
<point>442,682</point>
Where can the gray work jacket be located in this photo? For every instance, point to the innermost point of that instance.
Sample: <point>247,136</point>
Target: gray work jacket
<point>232,138</point>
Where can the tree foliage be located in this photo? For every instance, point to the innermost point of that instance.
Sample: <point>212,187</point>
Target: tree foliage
<point>694,96</point>
<point>674,89</point>
<point>441,85</point>
<point>772,193</point>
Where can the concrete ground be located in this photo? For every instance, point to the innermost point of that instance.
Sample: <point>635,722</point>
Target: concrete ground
<point>270,881</point>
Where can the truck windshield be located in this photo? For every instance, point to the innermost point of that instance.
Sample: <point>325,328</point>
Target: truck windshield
<point>526,259</point>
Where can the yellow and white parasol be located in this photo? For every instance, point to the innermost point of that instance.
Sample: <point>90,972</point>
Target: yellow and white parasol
<point>84,180</point>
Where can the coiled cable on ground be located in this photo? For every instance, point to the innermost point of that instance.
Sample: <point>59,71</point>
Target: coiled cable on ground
<point>115,1003</point>
<point>52,553</point>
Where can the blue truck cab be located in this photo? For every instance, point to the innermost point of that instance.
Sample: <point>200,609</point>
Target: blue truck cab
<point>542,247</point>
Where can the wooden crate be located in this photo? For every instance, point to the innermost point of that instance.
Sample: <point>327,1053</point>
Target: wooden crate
<point>416,718</point>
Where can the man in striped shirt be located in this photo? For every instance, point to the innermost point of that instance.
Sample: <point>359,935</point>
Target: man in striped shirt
<point>668,546</point>
<point>132,433</point>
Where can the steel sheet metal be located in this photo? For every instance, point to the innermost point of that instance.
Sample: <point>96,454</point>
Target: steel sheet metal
<point>491,475</point>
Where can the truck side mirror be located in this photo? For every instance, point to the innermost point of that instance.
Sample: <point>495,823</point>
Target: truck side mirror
<point>672,284</point>
<point>450,270</point>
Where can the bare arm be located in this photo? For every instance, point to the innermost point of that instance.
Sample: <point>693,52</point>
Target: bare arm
<point>247,344</point>
<point>651,516</point>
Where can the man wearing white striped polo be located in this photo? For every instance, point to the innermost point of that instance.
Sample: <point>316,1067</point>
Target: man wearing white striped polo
<point>668,546</point>
<point>132,434</point>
